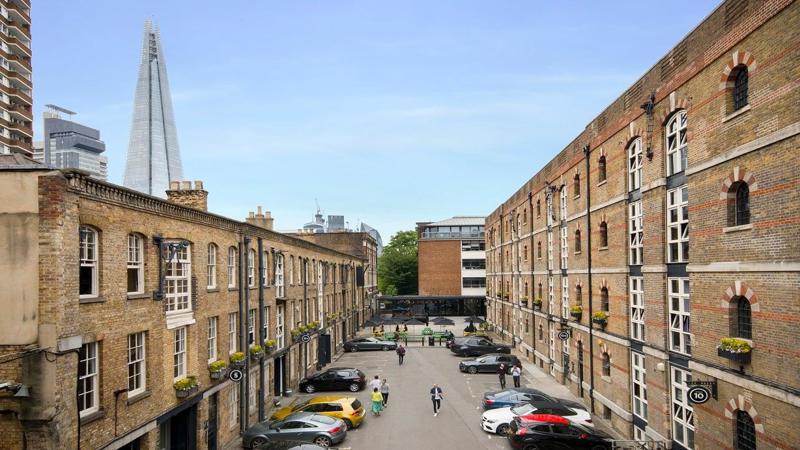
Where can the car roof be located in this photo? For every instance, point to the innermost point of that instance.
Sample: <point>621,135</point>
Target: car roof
<point>330,399</point>
<point>544,404</point>
<point>545,418</point>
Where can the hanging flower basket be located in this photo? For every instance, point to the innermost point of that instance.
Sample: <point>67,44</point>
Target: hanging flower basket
<point>269,346</point>
<point>524,301</point>
<point>737,350</point>
<point>186,387</point>
<point>576,312</point>
<point>537,304</point>
<point>256,351</point>
<point>600,318</point>
<point>237,360</point>
<point>218,369</point>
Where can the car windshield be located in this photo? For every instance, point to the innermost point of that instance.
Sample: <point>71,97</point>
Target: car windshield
<point>323,419</point>
<point>301,405</point>
<point>523,409</point>
<point>356,404</point>
<point>503,394</point>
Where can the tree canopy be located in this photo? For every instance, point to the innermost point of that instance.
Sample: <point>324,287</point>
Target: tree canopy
<point>397,266</point>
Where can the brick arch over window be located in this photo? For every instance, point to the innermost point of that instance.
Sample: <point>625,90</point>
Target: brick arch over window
<point>739,289</point>
<point>675,104</point>
<point>738,58</point>
<point>633,132</point>
<point>742,404</point>
<point>737,174</point>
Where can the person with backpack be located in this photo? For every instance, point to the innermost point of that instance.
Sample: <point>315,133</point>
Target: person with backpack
<point>401,353</point>
<point>436,398</point>
<point>501,373</point>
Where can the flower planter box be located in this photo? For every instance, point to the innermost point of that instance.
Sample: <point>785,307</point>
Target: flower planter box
<point>576,316</point>
<point>184,393</point>
<point>739,357</point>
<point>601,322</point>
<point>219,375</point>
<point>256,355</point>
<point>237,364</point>
<point>269,350</point>
<point>537,306</point>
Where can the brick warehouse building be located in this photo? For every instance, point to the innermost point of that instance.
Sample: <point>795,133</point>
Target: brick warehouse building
<point>111,296</point>
<point>708,164</point>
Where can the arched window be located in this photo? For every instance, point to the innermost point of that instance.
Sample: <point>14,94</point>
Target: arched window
<point>525,254</point>
<point>745,431</point>
<point>211,267</point>
<point>538,208</point>
<point>739,204</point>
<point>603,234</point>
<point>89,264</point>
<point>677,143</point>
<point>541,331</point>
<point>742,325</point>
<point>577,241</point>
<point>740,88</point>
<point>576,185</point>
<point>606,365</point>
<point>601,168</point>
<point>231,267</point>
<point>579,294</point>
<point>635,165</point>
<point>526,289</point>
<point>539,291</point>
<point>539,249</point>
<point>604,299</point>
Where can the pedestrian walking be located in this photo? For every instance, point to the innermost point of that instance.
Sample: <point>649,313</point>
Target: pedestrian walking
<point>516,372</point>
<point>377,402</point>
<point>375,383</point>
<point>385,392</point>
<point>401,353</point>
<point>436,398</point>
<point>501,373</point>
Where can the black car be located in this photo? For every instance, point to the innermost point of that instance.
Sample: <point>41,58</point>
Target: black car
<point>556,435</point>
<point>515,396</point>
<point>369,343</point>
<point>477,346</point>
<point>488,363</point>
<point>335,379</point>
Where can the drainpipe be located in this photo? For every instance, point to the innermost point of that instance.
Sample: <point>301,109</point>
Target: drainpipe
<point>502,266</point>
<point>262,335</point>
<point>304,346</point>
<point>333,304</point>
<point>533,264</point>
<point>244,301</point>
<point>586,152</point>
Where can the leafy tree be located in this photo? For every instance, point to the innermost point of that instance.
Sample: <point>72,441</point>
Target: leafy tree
<point>397,266</point>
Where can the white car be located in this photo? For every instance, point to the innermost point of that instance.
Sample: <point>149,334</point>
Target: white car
<point>499,420</point>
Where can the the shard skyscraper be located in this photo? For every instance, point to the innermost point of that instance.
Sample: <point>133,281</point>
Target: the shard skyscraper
<point>154,158</point>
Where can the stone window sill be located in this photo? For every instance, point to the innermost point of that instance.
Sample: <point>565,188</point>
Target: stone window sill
<point>578,252</point>
<point>138,296</point>
<point>212,289</point>
<point>602,182</point>
<point>602,249</point>
<point>576,197</point>
<point>88,300</point>
<point>733,229</point>
<point>607,379</point>
<point>138,397</point>
<point>736,113</point>
<point>91,417</point>
<point>232,288</point>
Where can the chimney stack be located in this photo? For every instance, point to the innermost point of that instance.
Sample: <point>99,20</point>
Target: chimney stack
<point>261,219</point>
<point>183,193</point>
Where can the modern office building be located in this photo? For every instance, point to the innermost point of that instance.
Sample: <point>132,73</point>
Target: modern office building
<point>452,257</point>
<point>70,145</point>
<point>659,249</point>
<point>16,113</point>
<point>154,158</point>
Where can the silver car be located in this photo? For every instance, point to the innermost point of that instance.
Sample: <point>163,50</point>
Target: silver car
<point>299,427</point>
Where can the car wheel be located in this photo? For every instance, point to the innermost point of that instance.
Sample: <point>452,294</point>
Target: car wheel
<point>354,387</point>
<point>473,370</point>
<point>323,441</point>
<point>503,430</point>
<point>347,425</point>
<point>385,348</point>
<point>257,442</point>
<point>354,348</point>
<point>310,388</point>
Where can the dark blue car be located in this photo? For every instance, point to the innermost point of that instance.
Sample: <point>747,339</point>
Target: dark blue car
<point>515,396</point>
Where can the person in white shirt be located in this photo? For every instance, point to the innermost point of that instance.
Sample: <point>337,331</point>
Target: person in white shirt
<point>375,383</point>
<point>516,372</point>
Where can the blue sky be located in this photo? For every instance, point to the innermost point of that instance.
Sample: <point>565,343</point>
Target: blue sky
<point>386,112</point>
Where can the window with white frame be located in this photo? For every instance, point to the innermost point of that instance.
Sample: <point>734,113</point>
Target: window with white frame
<point>279,332</point>
<point>177,283</point>
<point>551,296</point>
<point>550,257</point>
<point>564,248</point>
<point>291,270</point>
<point>564,296</point>
<point>233,405</point>
<point>251,391</point>
<point>135,264</point>
<point>677,143</point>
<point>137,371</point>
<point>88,379</point>
<point>635,233</point>
<point>264,266</point>
<point>251,268</point>
<point>639,435</point>
<point>251,327</point>
<point>88,262</point>
<point>679,315</point>
<point>231,267</point>
<point>637,308</point>
<point>265,323</point>
<point>279,286</point>
<point>212,339</point>
<point>211,274</point>
<point>678,224</point>
<point>179,354</point>
<point>563,202</point>
<point>682,411</point>
<point>639,382</point>
<point>635,165</point>
<point>233,319</point>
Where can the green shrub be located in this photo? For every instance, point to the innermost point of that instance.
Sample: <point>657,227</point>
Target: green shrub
<point>269,343</point>
<point>577,309</point>
<point>600,316</point>
<point>735,345</point>
<point>538,302</point>
<point>255,349</point>
<point>184,384</point>
<point>217,366</point>
<point>237,356</point>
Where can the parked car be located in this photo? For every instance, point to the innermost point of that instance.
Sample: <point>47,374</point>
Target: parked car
<point>334,379</point>
<point>477,346</point>
<point>543,431</point>
<point>488,363</point>
<point>289,445</point>
<point>349,409</point>
<point>368,343</point>
<point>303,427</point>
<point>499,420</point>
<point>515,396</point>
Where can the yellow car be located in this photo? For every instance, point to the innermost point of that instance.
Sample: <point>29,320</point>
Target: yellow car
<point>349,409</point>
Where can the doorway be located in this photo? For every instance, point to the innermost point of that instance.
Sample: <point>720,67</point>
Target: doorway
<point>279,375</point>
<point>212,422</point>
<point>180,431</point>
<point>580,367</point>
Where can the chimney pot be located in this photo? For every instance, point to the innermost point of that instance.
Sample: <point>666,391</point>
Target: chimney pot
<point>259,210</point>
<point>174,185</point>
<point>198,184</point>
<point>186,185</point>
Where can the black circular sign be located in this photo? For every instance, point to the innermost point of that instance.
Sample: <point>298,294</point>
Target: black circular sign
<point>563,335</point>
<point>305,338</point>
<point>236,375</point>
<point>698,394</point>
